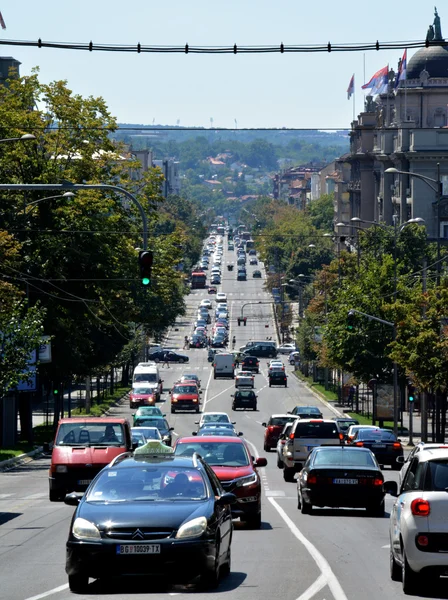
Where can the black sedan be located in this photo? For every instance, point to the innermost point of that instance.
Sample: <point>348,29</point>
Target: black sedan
<point>383,443</point>
<point>169,355</point>
<point>341,476</point>
<point>219,341</point>
<point>244,398</point>
<point>306,412</point>
<point>151,515</point>
<point>197,341</point>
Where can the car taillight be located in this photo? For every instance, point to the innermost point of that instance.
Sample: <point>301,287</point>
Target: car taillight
<point>270,428</point>
<point>312,479</point>
<point>360,444</point>
<point>378,481</point>
<point>341,436</point>
<point>420,507</point>
<point>315,420</point>
<point>397,445</point>
<point>291,436</point>
<point>423,540</point>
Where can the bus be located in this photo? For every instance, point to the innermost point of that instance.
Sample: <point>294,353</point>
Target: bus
<point>198,280</point>
<point>246,235</point>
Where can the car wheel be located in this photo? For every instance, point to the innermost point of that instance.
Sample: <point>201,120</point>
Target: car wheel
<point>395,569</point>
<point>227,566</point>
<point>197,410</point>
<point>279,463</point>
<point>305,508</point>
<point>78,583</point>
<point>173,411</point>
<point>270,384</point>
<point>266,448</point>
<point>254,521</point>
<point>288,474</point>
<point>409,578</point>
<point>210,579</point>
<point>376,510</point>
<point>56,496</point>
<point>396,466</point>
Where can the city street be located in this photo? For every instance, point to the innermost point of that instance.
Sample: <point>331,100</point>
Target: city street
<point>331,554</point>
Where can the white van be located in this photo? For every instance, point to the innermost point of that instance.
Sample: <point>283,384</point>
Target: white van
<point>224,365</point>
<point>148,372</point>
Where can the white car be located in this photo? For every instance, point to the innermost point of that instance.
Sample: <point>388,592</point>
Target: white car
<point>275,365</point>
<point>418,526</point>
<point>206,304</point>
<point>286,348</point>
<point>354,428</point>
<point>282,442</point>
<point>213,418</point>
<point>245,379</point>
<point>418,448</point>
<point>221,297</point>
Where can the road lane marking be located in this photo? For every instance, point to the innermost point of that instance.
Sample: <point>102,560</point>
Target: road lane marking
<point>319,584</point>
<point>322,564</point>
<point>275,493</point>
<point>223,391</point>
<point>386,546</point>
<point>206,391</point>
<point>61,588</point>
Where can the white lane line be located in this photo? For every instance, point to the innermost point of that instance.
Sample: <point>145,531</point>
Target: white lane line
<point>61,588</point>
<point>34,496</point>
<point>3,496</point>
<point>320,583</point>
<point>322,564</point>
<point>206,390</point>
<point>223,392</point>
<point>386,546</point>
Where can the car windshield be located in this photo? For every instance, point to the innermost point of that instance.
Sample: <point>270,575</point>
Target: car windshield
<point>95,433</point>
<point>150,433</point>
<point>316,430</point>
<point>148,483</point>
<point>187,376</point>
<point>372,434</point>
<point>225,432</point>
<point>216,453</point>
<point>150,377</point>
<point>436,479</point>
<point>149,391</point>
<point>344,457</point>
<point>308,410</point>
<point>245,394</point>
<point>344,425</point>
<point>148,422</point>
<point>224,426</point>
<point>215,419</point>
<point>185,389</point>
<point>276,421</point>
<point>148,410</point>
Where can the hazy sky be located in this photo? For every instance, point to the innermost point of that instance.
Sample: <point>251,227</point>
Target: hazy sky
<point>261,90</point>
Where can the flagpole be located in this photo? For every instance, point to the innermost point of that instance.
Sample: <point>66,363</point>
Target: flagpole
<point>364,75</point>
<point>353,103</point>
<point>405,95</point>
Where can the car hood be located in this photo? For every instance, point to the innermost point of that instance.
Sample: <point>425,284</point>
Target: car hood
<point>83,455</point>
<point>185,396</point>
<point>151,395</point>
<point>229,473</point>
<point>169,515</point>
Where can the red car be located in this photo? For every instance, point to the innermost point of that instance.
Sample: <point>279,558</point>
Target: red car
<point>143,394</point>
<point>273,429</point>
<point>185,396</point>
<point>236,469</point>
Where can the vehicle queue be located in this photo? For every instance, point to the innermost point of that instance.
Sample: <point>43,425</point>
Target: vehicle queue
<point>178,507</point>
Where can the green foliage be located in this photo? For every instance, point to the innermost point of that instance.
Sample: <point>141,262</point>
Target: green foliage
<point>321,212</point>
<point>106,403</point>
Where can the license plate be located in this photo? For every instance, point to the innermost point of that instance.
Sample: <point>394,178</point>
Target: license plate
<point>138,549</point>
<point>84,481</point>
<point>346,481</point>
<point>378,445</point>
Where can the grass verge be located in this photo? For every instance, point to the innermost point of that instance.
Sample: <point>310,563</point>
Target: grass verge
<point>97,410</point>
<point>363,420</point>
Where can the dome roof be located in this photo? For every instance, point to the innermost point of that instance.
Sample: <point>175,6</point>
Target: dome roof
<point>433,59</point>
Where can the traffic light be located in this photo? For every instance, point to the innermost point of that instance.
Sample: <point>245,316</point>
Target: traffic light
<point>145,259</point>
<point>351,320</point>
<point>411,392</point>
<point>242,320</point>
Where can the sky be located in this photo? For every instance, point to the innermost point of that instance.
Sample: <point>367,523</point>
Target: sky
<point>257,90</point>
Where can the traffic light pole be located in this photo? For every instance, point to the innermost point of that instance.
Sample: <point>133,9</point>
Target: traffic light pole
<point>70,187</point>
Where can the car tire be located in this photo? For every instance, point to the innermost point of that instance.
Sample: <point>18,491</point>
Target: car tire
<point>305,507</point>
<point>270,384</point>
<point>210,578</point>
<point>254,521</point>
<point>394,567</point>
<point>173,411</point>
<point>286,385</point>
<point>227,566</point>
<point>197,410</point>
<point>266,448</point>
<point>410,579</point>
<point>288,474</point>
<point>396,466</point>
<point>55,496</point>
<point>78,583</point>
<point>376,510</point>
<point>279,464</point>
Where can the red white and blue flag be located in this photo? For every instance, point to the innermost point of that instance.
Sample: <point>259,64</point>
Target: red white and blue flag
<point>378,83</point>
<point>351,87</point>
<point>401,75</point>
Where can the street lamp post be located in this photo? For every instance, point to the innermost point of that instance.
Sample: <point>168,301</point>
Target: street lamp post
<point>397,230</point>
<point>24,138</point>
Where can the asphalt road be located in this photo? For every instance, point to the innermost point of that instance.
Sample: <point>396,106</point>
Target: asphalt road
<point>331,554</point>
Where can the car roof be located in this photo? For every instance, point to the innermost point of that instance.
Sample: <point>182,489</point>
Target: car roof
<point>211,438</point>
<point>214,413</point>
<point>292,417</point>
<point>432,453</point>
<point>117,420</point>
<point>170,460</point>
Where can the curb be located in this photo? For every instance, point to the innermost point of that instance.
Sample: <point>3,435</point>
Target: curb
<point>20,460</point>
<point>319,397</point>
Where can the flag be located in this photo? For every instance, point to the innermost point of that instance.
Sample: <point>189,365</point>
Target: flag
<point>401,75</point>
<point>2,22</point>
<point>351,87</point>
<point>379,81</point>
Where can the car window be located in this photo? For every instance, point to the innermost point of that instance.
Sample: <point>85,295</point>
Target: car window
<point>410,482</point>
<point>216,486</point>
<point>344,457</point>
<point>278,421</point>
<point>88,434</point>
<point>316,430</point>
<point>436,479</point>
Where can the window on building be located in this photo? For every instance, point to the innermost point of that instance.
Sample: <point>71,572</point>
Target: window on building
<point>444,229</point>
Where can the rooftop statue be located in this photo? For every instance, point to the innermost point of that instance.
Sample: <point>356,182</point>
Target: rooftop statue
<point>430,34</point>
<point>437,27</point>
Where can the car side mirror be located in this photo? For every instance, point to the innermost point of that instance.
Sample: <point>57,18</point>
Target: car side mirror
<point>263,425</point>
<point>233,422</point>
<point>240,433</point>
<point>390,487</point>
<point>196,422</point>
<point>226,499</point>
<point>398,440</point>
<point>400,460</point>
<point>194,433</point>
<point>73,499</point>
<point>261,462</point>
<point>289,412</point>
<point>171,429</point>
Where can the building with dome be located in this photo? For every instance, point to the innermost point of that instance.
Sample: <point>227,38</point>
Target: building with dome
<point>405,128</point>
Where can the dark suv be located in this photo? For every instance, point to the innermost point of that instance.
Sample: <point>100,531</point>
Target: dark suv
<point>278,377</point>
<point>250,363</point>
<point>244,399</point>
<point>262,351</point>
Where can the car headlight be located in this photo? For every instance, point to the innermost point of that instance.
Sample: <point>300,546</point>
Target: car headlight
<point>244,481</point>
<point>61,469</point>
<point>85,530</point>
<point>192,529</point>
